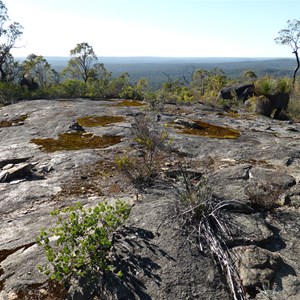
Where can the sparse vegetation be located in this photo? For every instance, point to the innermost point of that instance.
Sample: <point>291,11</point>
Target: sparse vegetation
<point>148,141</point>
<point>201,219</point>
<point>78,245</point>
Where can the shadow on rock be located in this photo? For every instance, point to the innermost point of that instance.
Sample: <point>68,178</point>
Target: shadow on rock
<point>135,267</point>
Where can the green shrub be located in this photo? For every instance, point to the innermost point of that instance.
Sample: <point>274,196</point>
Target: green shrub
<point>97,88</point>
<point>10,92</point>
<point>266,86</point>
<point>270,86</point>
<point>149,142</point>
<point>284,85</point>
<point>72,88</point>
<point>77,247</point>
<point>131,168</point>
<point>131,92</point>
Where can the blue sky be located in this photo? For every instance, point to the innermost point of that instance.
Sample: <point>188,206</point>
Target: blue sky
<point>175,28</point>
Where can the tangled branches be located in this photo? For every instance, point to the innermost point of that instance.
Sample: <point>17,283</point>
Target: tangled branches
<point>200,216</point>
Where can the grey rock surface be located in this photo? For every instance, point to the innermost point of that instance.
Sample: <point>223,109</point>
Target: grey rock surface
<point>259,170</point>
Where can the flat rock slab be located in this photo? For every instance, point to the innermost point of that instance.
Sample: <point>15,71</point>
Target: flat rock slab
<point>159,262</point>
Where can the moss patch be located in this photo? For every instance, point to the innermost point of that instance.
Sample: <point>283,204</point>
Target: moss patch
<point>92,121</point>
<point>13,122</point>
<point>76,141</point>
<point>231,114</point>
<point>130,103</point>
<point>209,130</point>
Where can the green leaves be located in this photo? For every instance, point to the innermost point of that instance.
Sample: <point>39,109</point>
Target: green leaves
<point>79,243</point>
<point>80,66</point>
<point>290,36</point>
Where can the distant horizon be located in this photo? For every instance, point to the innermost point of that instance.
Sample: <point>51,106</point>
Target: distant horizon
<point>154,28</point>
<point>174,57</point>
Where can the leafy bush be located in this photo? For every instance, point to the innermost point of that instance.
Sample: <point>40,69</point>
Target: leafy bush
<point>9,92</point>
<point>79,243</point>
<point>97,88</point>
<point>131,92</point>
<point>72,88</point>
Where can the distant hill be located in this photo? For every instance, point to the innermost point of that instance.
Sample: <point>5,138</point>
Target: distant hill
<point>156,68</point>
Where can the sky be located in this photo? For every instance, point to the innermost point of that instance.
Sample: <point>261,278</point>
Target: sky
<point>157,28</point>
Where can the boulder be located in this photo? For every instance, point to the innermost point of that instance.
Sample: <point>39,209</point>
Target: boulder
<point>241,91</point>
<point>266,104</point>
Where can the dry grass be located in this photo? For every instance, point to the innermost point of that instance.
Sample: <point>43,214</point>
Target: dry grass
<point>200,216</point>
<point>294,107</point>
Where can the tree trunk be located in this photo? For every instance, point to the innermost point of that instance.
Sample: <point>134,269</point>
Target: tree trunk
<point>297,68</point>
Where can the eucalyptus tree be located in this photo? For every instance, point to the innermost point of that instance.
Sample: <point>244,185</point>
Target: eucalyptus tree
<point>37,68</point>
<point>200,79</point>
<point>10,70</point>
<point>290,36</point>
<point>9,34</point>
<point>82,62</point>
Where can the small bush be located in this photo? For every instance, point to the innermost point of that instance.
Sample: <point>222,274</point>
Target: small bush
<point>149,142</point>
<point>131,92</point>
<point>265,86</point>
<point>77,247</point>
<point>154,101</point>
<point>131,168</point>
<point>193,197</point>
<point>284,85</point>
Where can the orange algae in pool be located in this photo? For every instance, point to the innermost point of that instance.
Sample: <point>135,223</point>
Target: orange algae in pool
<point>76,141</point>
<point>209,130</point>
<point>130,103</point>
<point>93,121</point>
